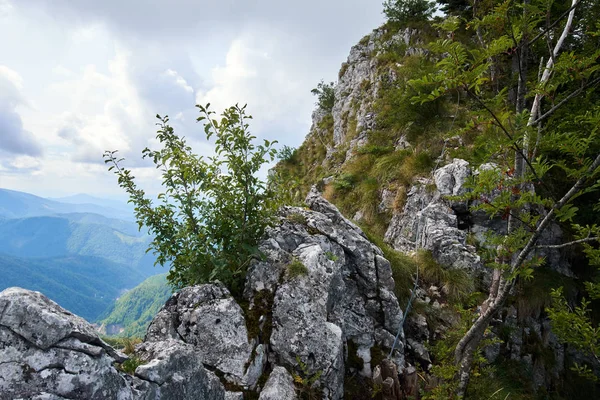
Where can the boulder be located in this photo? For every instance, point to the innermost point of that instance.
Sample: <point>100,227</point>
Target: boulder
<point>208,318</point>
<point>176,371</point>
<point>47,352</point>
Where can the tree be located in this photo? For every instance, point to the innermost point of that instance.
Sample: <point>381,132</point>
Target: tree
<point>526,136</point>
<point>213,211</point>
<point>408,11</point>
<point>455,7</point>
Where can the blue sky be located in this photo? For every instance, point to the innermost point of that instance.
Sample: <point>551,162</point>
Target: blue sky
<point>78,77</point>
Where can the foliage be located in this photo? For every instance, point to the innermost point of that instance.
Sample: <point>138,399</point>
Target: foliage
<point>527,158</point>
<point>455,282</point>
<point>325,95</point>
<point>408,11</point>
<point>130,365</point>
<point>214,210</point>
<point>305,382</point>
<point>295,269</point>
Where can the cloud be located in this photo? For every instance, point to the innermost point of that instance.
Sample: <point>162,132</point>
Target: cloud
<point>179,80</point>
<point>14,139</point>
<point>95,73</point>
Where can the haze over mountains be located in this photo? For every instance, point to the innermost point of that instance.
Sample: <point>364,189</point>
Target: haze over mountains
<point>82,252</point>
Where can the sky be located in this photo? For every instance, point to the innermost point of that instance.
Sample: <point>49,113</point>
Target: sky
<point>78,77</point>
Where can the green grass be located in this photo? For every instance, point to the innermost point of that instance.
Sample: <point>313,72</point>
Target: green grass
<point>295,269</point>
<point>455,282</point>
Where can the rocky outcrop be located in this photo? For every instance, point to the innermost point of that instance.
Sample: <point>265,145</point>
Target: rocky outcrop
<point>209,319</point>
<point>432,222</point>
<point>279,386</point>
<point>344,294</point>
<point>321,290</point>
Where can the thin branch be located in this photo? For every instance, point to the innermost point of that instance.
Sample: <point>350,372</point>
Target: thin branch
<point>569,97</point>
<point>574,242</point>
<point>507,133</point>
<point>575,189</point>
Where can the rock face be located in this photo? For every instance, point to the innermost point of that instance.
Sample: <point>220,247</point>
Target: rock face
<point>279,386</point>
<point>432,222</point>
<point>321,291</point>
<point>208,318</point>
<point>345,293</point>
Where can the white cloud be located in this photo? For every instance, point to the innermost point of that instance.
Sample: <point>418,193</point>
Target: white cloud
<point>81,77</point>
<point>179,80</point>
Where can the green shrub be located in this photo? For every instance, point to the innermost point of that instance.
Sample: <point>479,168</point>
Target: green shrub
<point>455,282</point>
<point>287,154</point>
<point>325,95</point>
<point>408,11</point>
<point>212,212</point>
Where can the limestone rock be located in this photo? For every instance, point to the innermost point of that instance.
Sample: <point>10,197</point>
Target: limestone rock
<point>47,352</point>
<point>207,317</point>
<point>279,386</point>
<point>346,293</point>
<point>176,370</point>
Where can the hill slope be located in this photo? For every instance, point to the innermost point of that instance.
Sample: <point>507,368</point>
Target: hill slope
<point>14,204</point>
<point>84,285</point>
<point>135,309</point>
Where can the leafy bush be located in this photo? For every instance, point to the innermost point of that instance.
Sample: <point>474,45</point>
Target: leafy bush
<point>325,95</point>
<point>213,211</point>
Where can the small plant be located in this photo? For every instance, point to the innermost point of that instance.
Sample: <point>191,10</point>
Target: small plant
<point>296,268</point>
<point>344,182</point>
<point>287,154</point>
<point>297,218</point>
<point>129,344</point>
<point>330,256</point>
<point>130,365</point>
<point>455,282</point>
<point>305,382</point>
<point>325,95</point>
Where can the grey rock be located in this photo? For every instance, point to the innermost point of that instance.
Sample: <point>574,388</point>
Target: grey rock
<point>430,221</point>
<point>450,179</point>
<point>49,353</point>
<point>175,371</point>
<point>207,317</point>
<point>279,386</point>
<point>347,293</point>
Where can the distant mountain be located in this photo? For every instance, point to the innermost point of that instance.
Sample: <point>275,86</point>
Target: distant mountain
<point>14,204</point>
<point>82,198</point>
<point>78,234</point>
<point>132,312</point>
<point>86,286</point>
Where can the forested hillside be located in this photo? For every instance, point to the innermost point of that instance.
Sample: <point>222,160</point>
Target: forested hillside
<point>84,285</point>
<point>82,260</point>
<point>132,312</point>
